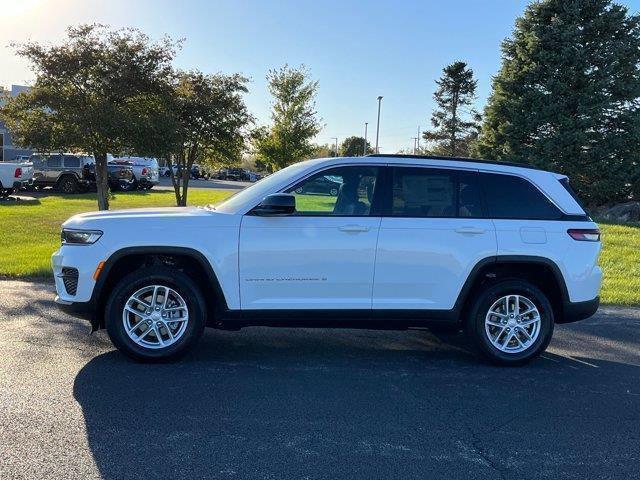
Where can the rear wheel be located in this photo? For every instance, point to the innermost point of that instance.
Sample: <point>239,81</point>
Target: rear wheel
<point>155,314</point>
<point>68,185</point>
<point>511,322</point>
<point>127,186</point>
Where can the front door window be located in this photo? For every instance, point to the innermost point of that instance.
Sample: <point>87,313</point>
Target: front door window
<point>341,191</point>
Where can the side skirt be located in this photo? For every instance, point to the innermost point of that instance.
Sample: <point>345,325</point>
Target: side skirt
<point>377,319</point>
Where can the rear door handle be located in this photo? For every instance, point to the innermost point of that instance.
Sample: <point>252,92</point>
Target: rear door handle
<point>470,230</point>
<point>354,228</point>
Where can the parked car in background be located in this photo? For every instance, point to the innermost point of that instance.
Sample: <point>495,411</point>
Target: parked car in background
<point>145,170</point>
<point>199,172</point>
<point>233,174</point>
<point>14,176</point>
<point>502,250</point>
<point>120,177</point>
<point>164,172</point>
<point>322,185</point>
<point>63,171</point>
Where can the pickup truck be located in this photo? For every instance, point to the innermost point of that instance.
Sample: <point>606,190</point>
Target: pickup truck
<point>14,176</point>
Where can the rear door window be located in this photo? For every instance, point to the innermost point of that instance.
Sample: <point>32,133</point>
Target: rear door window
<point>435,193</point>
<point>54,161</point>
<point>71,162</point>
<point>512,197</point>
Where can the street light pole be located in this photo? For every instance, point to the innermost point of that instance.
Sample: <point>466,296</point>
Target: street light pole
<point>418,137</point>
<point>364,149</point>
<point>415,139</point>
<point>336,139</point>
<point>378,125</point>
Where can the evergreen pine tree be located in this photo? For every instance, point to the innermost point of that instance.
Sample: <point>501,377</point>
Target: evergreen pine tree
<point>455,123</point>
<point>567,97</point>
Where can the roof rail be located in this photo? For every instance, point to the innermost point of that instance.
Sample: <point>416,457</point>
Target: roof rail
<point>454,159</point>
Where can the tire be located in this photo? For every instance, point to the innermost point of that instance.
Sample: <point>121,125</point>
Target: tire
<point>516,349</point>
<point>127,187</point>
<point>134,184</point>
<point>150,348</point>
<point>68,185</point>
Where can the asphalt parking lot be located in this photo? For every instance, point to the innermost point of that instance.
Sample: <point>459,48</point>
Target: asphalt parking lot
<point>313,404</point>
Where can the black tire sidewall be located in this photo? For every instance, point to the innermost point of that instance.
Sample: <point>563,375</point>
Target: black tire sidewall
<point>68,181</point>
<point>172,278</point>
<point>476,319</point>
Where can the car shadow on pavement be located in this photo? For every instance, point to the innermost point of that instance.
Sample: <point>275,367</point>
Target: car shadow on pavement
<point>268,403</point>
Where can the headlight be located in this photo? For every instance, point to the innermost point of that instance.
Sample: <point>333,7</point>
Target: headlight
<point>79,237</point>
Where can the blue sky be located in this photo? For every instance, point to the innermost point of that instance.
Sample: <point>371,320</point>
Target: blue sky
<point>356,49</point>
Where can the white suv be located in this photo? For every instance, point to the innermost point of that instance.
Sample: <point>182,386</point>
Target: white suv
<point>503,250</point>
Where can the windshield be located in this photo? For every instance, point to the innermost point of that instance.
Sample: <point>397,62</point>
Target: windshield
<point>259,189</point>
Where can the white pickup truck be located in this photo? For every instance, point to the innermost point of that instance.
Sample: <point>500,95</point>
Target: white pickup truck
<point>14,176</point>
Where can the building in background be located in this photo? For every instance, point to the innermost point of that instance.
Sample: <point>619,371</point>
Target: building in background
<point>8,151</point>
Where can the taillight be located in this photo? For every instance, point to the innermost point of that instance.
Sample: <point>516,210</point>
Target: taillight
<point>584,234</point>
<point>144,171</point>
<point>18,173</point>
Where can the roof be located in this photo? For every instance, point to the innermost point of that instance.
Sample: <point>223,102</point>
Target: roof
<point>454,159</point>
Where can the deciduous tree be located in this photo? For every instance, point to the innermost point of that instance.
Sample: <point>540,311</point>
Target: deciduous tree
<point>354,147</point>
<point>294,117</point>
<point>99,91</point>
<point>211,118</point>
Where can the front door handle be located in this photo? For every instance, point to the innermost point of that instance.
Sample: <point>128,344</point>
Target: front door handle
<point>470,230</point>
<point>354,228</point>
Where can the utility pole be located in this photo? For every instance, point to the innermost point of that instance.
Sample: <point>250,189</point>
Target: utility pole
<point>378,125</point>
<point>418,136</point>
<point>336,139</point>
<point>415,140</point>
<point>364,149</point>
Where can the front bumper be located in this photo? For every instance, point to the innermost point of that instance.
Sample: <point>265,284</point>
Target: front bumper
<point>83,310</point>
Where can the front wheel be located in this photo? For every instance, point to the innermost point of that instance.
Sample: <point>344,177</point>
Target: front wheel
<point>511,322</point>
<point>155,314</point>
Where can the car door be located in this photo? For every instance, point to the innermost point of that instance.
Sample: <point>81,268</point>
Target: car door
<point>432,235</point>
<point>320,257</point>
<point>53,169</point>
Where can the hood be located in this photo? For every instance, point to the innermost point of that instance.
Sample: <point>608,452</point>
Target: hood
<point>137,217</point>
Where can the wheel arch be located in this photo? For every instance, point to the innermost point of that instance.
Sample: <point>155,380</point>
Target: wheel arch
<point>543,272</point>
<point>65,175</point>
<point>129,259</point>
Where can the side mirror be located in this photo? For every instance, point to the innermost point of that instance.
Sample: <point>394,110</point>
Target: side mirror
<point>276,204</point>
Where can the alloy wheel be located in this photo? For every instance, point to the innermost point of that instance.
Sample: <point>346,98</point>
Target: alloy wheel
<point>155,316</point>
<point>512,323</point>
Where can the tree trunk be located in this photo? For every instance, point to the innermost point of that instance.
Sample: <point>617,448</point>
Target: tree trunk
<point>185,187</point>
<point>175,181</point>
<point>102,183</point>
<point>454,123</point>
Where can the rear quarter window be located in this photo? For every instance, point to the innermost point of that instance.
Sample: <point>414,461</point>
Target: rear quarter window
<point>512,197</point>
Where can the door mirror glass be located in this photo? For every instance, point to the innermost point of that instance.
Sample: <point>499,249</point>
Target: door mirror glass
<point>276,204</point>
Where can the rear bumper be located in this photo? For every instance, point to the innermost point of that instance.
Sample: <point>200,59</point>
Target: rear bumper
<point>22,183</point>
<point>575,311</point>
<point>146,181</point>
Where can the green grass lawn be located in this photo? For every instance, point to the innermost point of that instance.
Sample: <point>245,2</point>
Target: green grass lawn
<point>30,233</point>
